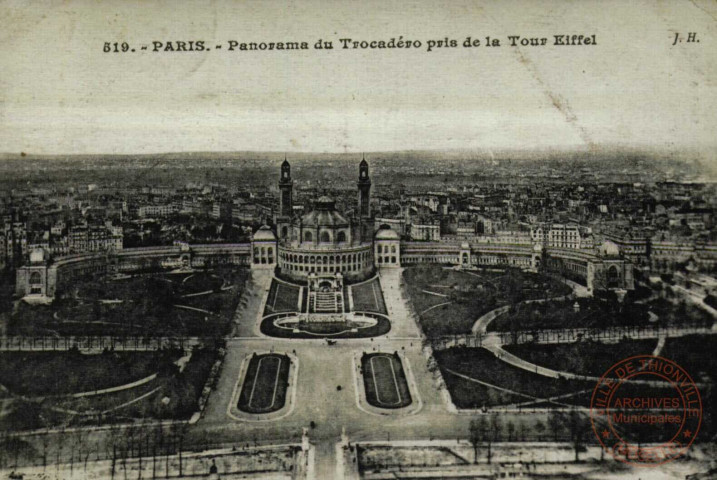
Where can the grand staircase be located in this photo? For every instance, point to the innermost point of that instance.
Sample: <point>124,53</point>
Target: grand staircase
<point>326,302</point>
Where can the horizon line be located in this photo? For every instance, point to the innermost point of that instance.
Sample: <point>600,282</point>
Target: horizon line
<point>577,148</point>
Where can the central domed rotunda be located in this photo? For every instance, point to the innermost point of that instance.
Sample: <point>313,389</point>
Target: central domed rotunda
<point>324,241</point>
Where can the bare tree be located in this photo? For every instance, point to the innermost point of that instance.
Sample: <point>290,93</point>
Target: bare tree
<point>578,427</point>
<point>477,433</point>
<point>492,434</point>
<point>138,440</point>
<point>521,430</point>
<point>128,450</point>
<point>157,441</point>
<point>555,424</point>
<point>539,429</point>
<point>496,427</point>
<point>111,442</point>
<point>178,431</point>
<point>58,451</point>
<point>4,436</point>
<point>72,453</point>
<point>45,445</point>
<point>83,450</point>
<point>510,427</point>
<point>182,431</point>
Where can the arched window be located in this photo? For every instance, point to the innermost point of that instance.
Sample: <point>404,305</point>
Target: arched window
<point>325,238</point>
<point>308,237</point>
<point>612,277</point>
<point>341,237</point>
<point>284,232</point>
<point>393,248</point>
<point>379,249</point>
<point>35,278</point>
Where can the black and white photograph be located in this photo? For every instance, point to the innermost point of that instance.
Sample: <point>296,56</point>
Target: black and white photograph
<point>336,240</point>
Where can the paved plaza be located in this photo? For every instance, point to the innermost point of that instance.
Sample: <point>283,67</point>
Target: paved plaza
<point>322,368</point>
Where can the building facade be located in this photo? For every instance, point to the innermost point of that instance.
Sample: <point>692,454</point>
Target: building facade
<point>324,241</point>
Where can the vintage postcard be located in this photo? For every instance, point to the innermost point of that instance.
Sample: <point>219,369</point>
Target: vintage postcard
<point>371,240</point>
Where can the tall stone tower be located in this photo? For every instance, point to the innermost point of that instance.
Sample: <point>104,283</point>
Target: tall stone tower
<point>286,185</point>
<point>364,190</point>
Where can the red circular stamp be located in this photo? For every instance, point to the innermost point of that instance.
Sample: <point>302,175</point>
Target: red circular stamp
<point>646,410</point>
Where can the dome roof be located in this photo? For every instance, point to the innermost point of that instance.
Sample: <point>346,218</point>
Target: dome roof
<point>37,255</point>
<point>325,203</point>
<point>264,233</point>
<point>324,214</point>
<point>386,234</point>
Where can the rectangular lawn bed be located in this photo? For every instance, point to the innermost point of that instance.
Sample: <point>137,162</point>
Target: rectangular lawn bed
<point>265,384</point>
<point>385,381</point>
<point>368,297</point>
<point>282,298</point>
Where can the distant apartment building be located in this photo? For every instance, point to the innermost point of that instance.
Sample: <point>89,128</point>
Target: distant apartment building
<point>429,231</point>
<point>39,240</point>
<point>251,213</point>
<point>431,202</point>
<point>664,253</point>
<point>13,241</point>
<point>466,229</point>
<point>221,211</point>
<point>94,238</point>
<point>59,246</point>
<point>78,240</point>
<point>150,211</point>
<point>560,235</point>
<point>58,228</point>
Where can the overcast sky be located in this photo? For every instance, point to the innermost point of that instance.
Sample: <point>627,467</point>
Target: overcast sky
<point>59,93</point>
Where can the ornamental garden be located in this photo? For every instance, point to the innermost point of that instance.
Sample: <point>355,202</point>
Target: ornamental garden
<point>112,349</point>
<point>537,345</point>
